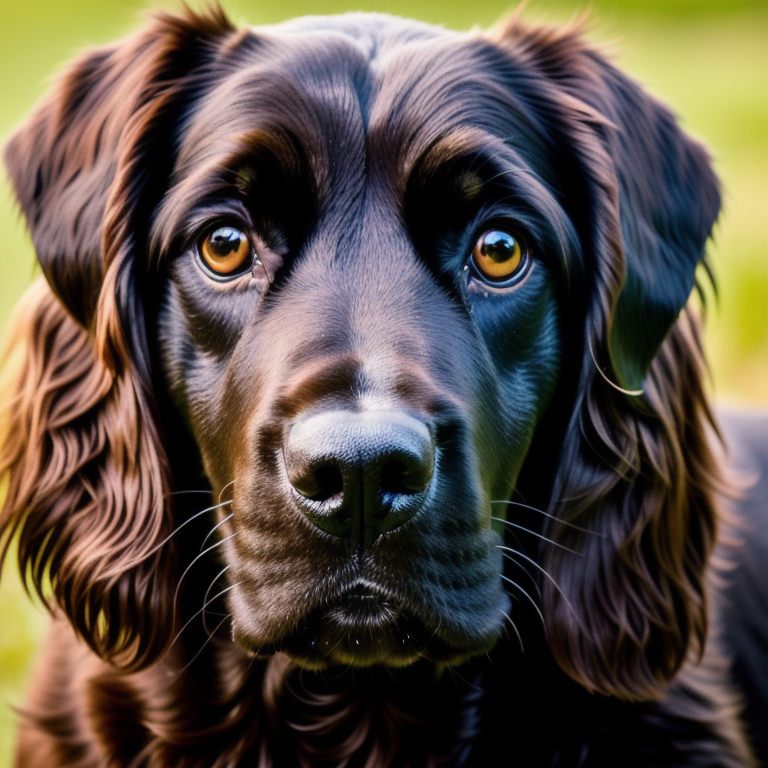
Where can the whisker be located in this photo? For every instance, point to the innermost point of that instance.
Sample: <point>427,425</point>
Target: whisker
<point>514,626</point>
<point>208,591</point>
<point>197,613</point>
<point>188,520</point>
<point>547,514</point>
<point>508,552</point>
<point>186,570</point>
<point>260,263</point>
<point>202,647</point>
<point>537,535</point>
<point>221,492</point>
<point>214,580</point>
<point>509,557</point>
<point>525,594</point>
<point>215,527</point>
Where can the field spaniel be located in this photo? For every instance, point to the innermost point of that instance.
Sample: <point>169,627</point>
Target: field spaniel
<point>359,420</point>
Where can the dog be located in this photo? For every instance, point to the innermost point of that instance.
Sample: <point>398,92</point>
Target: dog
<point>359,419</point>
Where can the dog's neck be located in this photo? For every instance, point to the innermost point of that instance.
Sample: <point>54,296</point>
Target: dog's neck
<point>371,716</point>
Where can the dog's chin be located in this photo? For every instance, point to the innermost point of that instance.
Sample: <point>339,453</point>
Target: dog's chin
<point>364,630</point>
<point>335,645</point>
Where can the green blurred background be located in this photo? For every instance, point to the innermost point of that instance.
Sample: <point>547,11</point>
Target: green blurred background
<point>708,58</point>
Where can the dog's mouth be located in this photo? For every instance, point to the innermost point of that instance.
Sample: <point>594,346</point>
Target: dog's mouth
<point>365,628</point>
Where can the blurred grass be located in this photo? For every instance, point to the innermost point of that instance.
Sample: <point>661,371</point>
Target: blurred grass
<point>708,58</point>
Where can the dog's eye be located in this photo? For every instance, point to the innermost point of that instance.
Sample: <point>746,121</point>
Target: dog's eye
<point>227,251</point>
<point>499,256</point>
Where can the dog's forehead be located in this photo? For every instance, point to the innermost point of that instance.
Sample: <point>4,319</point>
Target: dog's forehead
<point>373,33</point>
<point>352,87</point>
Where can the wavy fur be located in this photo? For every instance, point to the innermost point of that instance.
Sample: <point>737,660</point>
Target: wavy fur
<point>138,384</point>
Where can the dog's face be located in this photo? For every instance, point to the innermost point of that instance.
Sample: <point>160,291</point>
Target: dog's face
<point>390,276</point>
<point>361,326</point>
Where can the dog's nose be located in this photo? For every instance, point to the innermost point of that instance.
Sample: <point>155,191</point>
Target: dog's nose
<point>358,475</point>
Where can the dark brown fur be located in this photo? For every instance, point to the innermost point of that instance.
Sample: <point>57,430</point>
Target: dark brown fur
<point>364,154</point>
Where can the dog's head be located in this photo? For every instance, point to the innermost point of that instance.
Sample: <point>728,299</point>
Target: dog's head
<point>392,277</point>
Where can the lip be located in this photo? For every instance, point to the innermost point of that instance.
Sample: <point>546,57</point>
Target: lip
<point>363,627</point>
<point>366,628</point>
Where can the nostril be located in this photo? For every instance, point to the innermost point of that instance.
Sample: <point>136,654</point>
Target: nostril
<point>405,478</point>
<point>320,483</point>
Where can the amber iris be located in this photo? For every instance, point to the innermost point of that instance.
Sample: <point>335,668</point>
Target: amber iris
<point>226,250</point>
<point>498,255</point>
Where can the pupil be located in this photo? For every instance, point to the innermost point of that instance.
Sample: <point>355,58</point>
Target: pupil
<point>225,241</point>
<point>499,246</point>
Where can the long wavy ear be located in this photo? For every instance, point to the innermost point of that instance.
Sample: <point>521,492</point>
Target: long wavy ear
<point>635,467</point>
<point>87,474</point>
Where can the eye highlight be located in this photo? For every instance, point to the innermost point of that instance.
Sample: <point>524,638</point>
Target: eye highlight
<point>226,251</point>
<point>499,256</point>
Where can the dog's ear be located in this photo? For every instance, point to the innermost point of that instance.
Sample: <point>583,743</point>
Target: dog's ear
<point>90,162</point>
<point>635,469</point>
<point>651,198</point>
<point>87,480</point>
<point>668,201</point>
